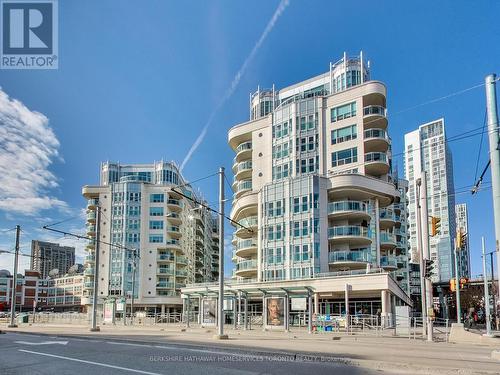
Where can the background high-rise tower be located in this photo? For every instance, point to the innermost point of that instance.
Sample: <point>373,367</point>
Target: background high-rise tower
<point>427,150</point>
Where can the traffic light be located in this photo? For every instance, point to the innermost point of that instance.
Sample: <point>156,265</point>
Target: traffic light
<point>463,282</point>
<point>453,286</point>
<point>429,268</point>
<point>435,226</point>
<point>461,239</point>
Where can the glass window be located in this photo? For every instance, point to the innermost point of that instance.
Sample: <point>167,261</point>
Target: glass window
<point>155,224</point>
<point>343,112</point>
<point>156,238</point>
<point>346,156</point>
<point>296,205</point>
<point>344,134</point>
<point>155,211</point>
<point>157,198</point>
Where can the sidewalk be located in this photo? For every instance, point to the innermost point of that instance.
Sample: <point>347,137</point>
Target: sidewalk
<point>400,354</point>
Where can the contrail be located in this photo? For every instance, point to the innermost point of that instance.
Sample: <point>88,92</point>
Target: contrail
<point>236,80</point>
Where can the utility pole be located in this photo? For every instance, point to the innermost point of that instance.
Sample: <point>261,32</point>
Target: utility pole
<point>491,107</point>
<point>133,290</point>
<point>14,282</point>
<point>94,327</point>
<point>486,293</point>
<point>421,258</point>
<point>220,307</point>
<point>426,252</point>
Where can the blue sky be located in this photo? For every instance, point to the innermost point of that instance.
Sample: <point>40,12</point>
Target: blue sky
<point>137,81</point>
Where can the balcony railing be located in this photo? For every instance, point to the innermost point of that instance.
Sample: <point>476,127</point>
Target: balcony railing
<point>374,110</point>
<point>349,256</point>
<point>376,134</point>
<point>181,260</point>
<point>243,166</point>
<point>348,231</point>
<point>248,221</point>
<point>387,237</point>
<point>242,244</point>
<point>334,207</point>
<point>246,265</point>
<point>165,284</point>
<point>388,261</point>
<point>175,202</point>
<point>373,157</point>
<point>165,257</point>
<point>244,146</point>
<point>166,271</point>
<point>244,185</point>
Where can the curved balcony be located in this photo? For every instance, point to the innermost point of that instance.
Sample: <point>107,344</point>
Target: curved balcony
<point>247,228</point>
<point>388,262</point>
<point>375,116</point>
<point>400,275</point>
<point>181,273</point>
<point>92,204</point>
<point>165,257</point>
<point>351,209</point>
<point>164,285</point>
<point>174,204</point>
<point>387,240</point>
<point>376,140</point>
<point>246,268</point>
<point>90,244</point>
<point>387,218</point>
<point>349,259</point>
<point>376,163</point>
<point>244,206</point>
<point>181,260</point>
<point>246,248</point>
<point>244,151</point>
<point>174,218</point>
<point>165,271</point>
<point>91,216</point>
<point>243,187</point>
<point>88,271</point>
<point>174,231</point>
<point>352,234</point>
<point>91,230</point>
<point>90,259</point>
<point>244,170</point>
<point>88,285</point>
<point>171,244</point>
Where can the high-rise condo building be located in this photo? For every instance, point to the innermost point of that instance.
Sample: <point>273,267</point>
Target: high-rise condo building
<point>462,222</point>
<point>144,210</point>
<point>48,256</point>
<point>315,200</point>
<point>426,150</point>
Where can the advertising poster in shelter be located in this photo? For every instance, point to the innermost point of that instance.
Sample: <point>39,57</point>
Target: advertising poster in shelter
<point>275,307</point>
<point>209,311</point>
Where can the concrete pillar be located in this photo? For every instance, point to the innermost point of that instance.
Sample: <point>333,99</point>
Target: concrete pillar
<point>246,313</point>
<point>309,312</point>
<point>377,230</point>
<point>316,303</point>
<point>239,308</point>
<point>235,312</point>
<point>188,310</point>
<point>162,309</point>
<point>287,312</point>
<point>264,312</point>
<point>386,308</point>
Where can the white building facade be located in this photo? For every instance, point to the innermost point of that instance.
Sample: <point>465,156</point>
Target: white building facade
<point>145,209</point>
<point>313,186</point>
<point>426,150</point>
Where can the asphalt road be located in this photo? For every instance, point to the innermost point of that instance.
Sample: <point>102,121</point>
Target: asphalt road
<point>30,354</point>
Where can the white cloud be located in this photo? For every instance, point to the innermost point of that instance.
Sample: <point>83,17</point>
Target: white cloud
<point>27,148</point>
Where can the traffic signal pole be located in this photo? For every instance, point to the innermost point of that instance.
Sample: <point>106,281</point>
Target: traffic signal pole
<point>426,253</point>
<point>486,293</point>
<point>14,282</point>
<point>421,257</point>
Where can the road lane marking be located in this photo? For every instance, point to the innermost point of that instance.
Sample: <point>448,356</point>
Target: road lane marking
<point>42,343</point>
<point>90,362</point>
